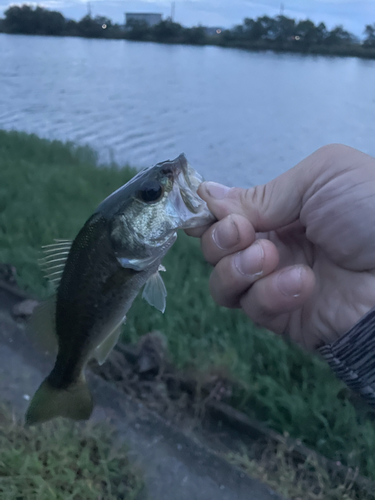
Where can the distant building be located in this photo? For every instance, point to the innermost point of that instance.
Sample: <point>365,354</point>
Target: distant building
<point>213,31</point>
<point>149,18</point>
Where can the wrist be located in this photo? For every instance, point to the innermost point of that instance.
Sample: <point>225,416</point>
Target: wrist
<point>352,357</point>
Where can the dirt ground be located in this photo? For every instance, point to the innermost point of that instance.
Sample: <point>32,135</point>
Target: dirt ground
<point>180,460</point>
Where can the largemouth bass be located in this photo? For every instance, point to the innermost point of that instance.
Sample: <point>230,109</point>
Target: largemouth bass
<point>118,251</point>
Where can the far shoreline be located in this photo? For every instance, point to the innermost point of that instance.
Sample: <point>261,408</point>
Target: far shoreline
<point>280,34</point>
<point>355,52</point>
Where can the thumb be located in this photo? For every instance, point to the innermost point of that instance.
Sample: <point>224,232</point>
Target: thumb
<point>279,202</point>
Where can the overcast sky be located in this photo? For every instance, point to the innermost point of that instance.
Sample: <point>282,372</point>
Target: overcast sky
<point>352,14</point>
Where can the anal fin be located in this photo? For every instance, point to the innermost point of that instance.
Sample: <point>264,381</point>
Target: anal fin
<point>42,326</point>
<point>101,352</point>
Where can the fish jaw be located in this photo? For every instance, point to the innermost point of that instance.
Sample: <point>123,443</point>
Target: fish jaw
<point>184,204</point>
<point>143,232</point>
<point>152,259</point>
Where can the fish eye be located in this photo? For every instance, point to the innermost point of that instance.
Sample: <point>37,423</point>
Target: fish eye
<point>150,191</point>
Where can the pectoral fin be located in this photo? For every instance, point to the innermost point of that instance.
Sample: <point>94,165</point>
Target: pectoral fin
<point>155,292</point>
<point>102,351</point>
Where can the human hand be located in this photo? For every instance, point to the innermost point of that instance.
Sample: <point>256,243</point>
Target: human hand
<point>298,253</point>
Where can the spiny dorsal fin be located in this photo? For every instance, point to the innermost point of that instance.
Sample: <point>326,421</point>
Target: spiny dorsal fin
<point>54,259</point>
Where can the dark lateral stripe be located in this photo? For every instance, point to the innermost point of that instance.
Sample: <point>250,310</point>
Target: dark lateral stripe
<point>352,357</point>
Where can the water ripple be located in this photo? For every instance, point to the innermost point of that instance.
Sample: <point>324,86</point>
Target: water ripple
<point>242,118</point>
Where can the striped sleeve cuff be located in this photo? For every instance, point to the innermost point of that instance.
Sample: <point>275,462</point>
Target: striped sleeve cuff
<point>352,357</point>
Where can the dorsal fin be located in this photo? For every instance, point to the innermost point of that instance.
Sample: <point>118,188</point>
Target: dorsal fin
<point>54,259</point>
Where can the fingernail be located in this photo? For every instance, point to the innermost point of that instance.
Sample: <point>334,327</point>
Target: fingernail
<point>290,282</point>
<point>226,234</point>
<point>216,190</point>
<point>249,262</point>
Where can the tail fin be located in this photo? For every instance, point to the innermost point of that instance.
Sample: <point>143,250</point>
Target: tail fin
<point>48,402</point>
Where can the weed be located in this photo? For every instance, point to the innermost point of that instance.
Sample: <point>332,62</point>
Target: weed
<point>62,460</point>
<point>48,190</point>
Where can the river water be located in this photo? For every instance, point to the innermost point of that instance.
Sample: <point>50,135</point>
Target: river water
<point>240,117</point>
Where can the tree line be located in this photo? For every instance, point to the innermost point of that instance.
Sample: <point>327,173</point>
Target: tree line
<point>278,33</point>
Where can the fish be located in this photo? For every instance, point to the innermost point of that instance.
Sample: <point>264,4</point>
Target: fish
<point>98,275</point>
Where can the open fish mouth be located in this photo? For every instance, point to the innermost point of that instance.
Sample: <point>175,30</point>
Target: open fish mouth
<point>188,182</point>
<point>192,209</point>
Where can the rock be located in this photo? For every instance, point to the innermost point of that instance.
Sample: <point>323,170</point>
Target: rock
<point>24,309</point>
<point>152,352</point>
<point>8,274</point>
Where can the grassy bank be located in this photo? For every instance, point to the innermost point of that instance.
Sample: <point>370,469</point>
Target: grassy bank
<point>306,480</point>
<point>47,190</point>
<point>61,461</point>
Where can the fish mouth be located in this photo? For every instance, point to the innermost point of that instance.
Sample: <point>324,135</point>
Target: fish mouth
<point>187,201</point>
<point>188,182</point>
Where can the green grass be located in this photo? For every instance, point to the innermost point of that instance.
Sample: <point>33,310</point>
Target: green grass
<point>48,190</point>
<point>63,461</point>
<point>303,480</point>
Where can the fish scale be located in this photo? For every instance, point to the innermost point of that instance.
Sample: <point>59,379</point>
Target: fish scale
<point>98,275</point>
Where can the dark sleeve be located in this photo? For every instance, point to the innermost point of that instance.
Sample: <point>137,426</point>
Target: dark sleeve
<point>352,357</point>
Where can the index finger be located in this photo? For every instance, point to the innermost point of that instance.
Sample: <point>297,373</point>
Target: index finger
<point>196,232</point>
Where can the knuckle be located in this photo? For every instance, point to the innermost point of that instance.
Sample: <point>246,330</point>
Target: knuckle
<point>256,202</point>
<point>331,152</point>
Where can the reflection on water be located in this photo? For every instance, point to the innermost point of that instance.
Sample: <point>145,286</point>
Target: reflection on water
<point>240,117</point>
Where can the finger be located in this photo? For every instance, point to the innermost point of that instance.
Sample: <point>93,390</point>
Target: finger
<point>270,300</point>
<point>234,274</point>
<point>280,201</point>
<point>196,232</point>
<point>230,235</point>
